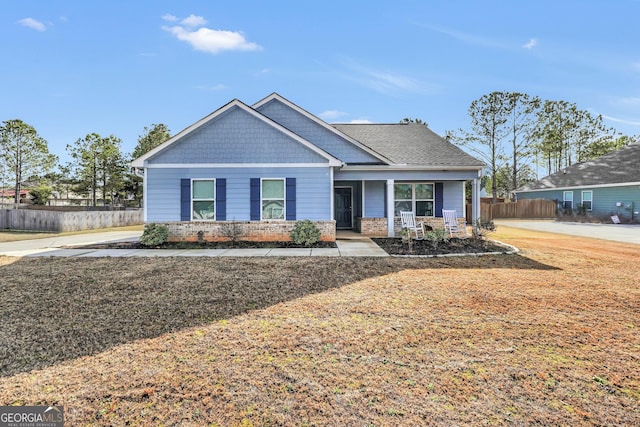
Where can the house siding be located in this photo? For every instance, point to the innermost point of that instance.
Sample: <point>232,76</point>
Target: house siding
<point>453,197</point>
<point>374,199</point>
<point>237,137</point>
<point>312,131</point>
<point>162,201</point>
<point>604,199</point>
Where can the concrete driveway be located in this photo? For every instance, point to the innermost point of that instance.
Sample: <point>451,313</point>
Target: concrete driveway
<point>626,233</point>
<point>35,246</point>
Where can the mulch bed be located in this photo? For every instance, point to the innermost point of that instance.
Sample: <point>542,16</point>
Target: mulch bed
<point>393,246</point>
<point>396,246</point>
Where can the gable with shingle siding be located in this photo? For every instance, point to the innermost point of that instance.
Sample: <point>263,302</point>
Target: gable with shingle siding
<point>237,137</point>
<point>315,132</point>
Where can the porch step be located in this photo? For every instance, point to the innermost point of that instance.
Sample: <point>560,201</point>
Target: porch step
<point>359,247</point>
<point>350,235</point>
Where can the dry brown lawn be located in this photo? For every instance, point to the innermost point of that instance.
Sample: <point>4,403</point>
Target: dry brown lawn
<point>547,337</point>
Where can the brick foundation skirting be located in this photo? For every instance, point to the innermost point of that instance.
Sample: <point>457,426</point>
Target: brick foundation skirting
<point>378,226</point>
<point>372,226</point>
<point>257,231</point>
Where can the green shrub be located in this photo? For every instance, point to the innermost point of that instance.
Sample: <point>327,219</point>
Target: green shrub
<point>305,233</point>
<point>154,234</point>
<point>436,235</point>
<point>41,194</point>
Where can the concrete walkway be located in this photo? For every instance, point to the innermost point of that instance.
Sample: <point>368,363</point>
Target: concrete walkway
<point>627,233</point>
<point>59,246</point>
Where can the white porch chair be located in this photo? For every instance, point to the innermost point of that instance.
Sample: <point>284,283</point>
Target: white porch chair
<point>408,220</point>
<point>450,220</point>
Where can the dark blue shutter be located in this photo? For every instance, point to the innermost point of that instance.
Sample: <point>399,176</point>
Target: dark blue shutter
<point>255,199</point>
<point>439,199</point>
<point>185,199</point>
<point>221,199</point>
<point>291,199</point>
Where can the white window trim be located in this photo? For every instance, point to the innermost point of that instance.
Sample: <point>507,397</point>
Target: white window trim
<point>565,200</point>
<point>590,201</point>
<point>413,195</point>
<point>284,199</point>
<point>215,206</point>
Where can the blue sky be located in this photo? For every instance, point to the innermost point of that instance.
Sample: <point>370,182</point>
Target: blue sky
<point>70,68</point>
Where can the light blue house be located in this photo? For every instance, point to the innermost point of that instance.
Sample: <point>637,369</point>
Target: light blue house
<point>252,171</point>
<point>608,185</point>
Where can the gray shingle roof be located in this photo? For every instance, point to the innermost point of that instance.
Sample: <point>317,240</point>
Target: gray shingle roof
<point>617,167</point>
<point>411,144</point>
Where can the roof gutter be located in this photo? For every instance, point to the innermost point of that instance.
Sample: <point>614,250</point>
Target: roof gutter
<point>407,167</point>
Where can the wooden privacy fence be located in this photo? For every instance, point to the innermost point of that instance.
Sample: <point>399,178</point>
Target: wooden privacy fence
<point>523,209</point>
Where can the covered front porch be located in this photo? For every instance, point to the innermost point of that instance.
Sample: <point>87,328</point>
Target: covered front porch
<point>371,206</point>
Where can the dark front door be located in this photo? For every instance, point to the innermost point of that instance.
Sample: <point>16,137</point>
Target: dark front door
<point>342,206</point>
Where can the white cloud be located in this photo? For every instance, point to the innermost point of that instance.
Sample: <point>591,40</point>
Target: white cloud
<point>33,24</point>
<point>206,39</point>
<point>193,21</point>
<point>623,121</point>
<point>331,115</point>
<point>212,41</point>
<point>628,101</point>
<point>384,81</point>
<point>169,17</point>
<point>468,38</point>
<point>360,122</point>
<point>478,40</point>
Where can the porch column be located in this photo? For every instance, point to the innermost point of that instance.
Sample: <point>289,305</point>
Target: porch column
<point>362,201</point>
<point>390,209</point>
<point>475,201</point>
